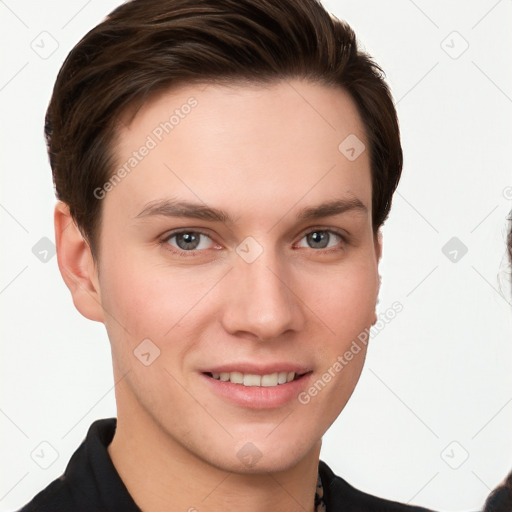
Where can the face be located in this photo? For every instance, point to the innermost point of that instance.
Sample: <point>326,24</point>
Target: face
<point>237,265</point>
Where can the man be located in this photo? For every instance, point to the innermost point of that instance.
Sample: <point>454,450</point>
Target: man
<point>222,169</point>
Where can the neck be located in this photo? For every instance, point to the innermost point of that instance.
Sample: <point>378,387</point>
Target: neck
<point>161,474</point>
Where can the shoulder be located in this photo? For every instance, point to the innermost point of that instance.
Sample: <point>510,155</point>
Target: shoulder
<point>90,481</point>
<point>340,495</point>
<point>55,498</point>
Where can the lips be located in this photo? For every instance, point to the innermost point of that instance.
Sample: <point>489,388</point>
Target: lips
<point>257,385</point>
<point>252,387</point>
<point>254,379</point>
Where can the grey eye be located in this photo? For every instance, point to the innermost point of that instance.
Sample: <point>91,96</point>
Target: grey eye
<point>318,239</point>
<point>189,241</point>
<point>321,239</point>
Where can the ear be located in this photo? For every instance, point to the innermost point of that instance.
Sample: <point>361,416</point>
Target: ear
<point>378,245</point>
<point>76,264</point>
<point>378,255</point>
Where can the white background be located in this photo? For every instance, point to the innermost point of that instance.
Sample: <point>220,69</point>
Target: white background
<point>437,387</point>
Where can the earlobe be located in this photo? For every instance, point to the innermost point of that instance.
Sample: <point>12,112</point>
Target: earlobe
<point>378,245</point>
<point>76,264</point>
<point>376,302</point>
<point>378,255</point>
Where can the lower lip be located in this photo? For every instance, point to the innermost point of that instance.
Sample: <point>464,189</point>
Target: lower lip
<point>258,397</point>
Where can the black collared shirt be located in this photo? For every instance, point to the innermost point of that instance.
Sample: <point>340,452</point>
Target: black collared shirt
<point>92,484</point>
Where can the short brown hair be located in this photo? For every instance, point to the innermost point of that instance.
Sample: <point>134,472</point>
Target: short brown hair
<point>145,46</point>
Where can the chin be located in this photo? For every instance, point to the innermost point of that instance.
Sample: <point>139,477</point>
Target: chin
<point>264,456</point>
<point>263,465</point>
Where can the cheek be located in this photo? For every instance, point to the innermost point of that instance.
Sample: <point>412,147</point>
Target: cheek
<point>345,305</point>
<point>134,299</point>
<point>152,302</point>
<point>345,300</point>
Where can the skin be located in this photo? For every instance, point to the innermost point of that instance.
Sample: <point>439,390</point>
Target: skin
<point>262,154</point>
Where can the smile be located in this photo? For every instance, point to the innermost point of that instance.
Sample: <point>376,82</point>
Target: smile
<point>250,379</point>
<point>265,387</point>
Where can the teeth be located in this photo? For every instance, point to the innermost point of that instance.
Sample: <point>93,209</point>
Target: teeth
<point>249,379</point>
<point>269,380</point>
<point>236,377</point>
<point>252,380</point>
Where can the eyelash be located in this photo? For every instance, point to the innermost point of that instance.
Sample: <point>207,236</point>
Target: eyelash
<point>180,252</point>
<point>196,252</point>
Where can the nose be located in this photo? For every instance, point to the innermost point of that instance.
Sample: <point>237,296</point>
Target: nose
<point>260,299</point>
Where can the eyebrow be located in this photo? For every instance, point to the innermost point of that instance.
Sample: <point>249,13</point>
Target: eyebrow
<point>176,208</point>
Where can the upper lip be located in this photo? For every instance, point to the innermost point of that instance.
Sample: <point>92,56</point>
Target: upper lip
<point>258,369</point>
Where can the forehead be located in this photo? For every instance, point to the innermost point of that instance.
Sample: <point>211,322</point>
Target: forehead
<point>258,147</point>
